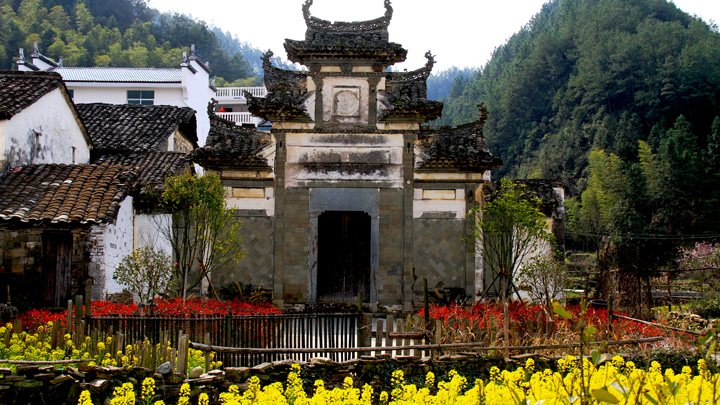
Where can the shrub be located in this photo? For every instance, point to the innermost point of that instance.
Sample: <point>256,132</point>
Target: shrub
<point>545,279</point>
<point>145,272</point>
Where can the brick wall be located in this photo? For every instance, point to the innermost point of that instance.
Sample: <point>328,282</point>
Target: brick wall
<point>439,253</point>
<point>297,228</point>
<point>256,267</point>
<point>390,286</point>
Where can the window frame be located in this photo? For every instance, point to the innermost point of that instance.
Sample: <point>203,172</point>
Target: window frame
<point>141,97</point>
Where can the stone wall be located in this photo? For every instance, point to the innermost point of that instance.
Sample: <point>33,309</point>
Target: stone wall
<point>21,264</point>
<point>439,254</point>
<point>390,283</point>
<point>297,230</point>
<point>256,267</point>
<point>48,385</point>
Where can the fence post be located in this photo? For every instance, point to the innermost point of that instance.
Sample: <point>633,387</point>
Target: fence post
<point>78,320</point>
<point>438,337</point>
<point>427,311</point>
<point>227,328</point>
<point>365,330</point>
<point>378,335</point>
<point>207,354</point>
<point>182,356</point>
<point>69,322</point>
<point>389,327</point>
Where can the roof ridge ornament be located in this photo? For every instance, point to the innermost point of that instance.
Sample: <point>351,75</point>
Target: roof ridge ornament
<point>324,25</point>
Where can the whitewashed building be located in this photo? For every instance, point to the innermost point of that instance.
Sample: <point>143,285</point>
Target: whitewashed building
<point>186,86</point>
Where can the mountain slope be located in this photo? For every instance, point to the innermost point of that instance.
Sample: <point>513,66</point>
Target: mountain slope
<point>593,73</point>
<point>111,33</point>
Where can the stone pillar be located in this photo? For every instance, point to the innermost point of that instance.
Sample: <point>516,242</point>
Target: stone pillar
<point>279,236</point>
<point>408,238</point>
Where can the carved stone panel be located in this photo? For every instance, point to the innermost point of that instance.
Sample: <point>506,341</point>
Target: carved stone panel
<point>345,102</point>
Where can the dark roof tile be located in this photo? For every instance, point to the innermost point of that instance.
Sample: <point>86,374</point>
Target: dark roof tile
<point>461,148</point>
<point>151,167</point>
<point>229,145</point>
<point>136,127</point>
<point>60,193</point>
<point>19,90</point>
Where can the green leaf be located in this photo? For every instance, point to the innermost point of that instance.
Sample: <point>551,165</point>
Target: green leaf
<point>561,311</point>
<point>651,399</point>
<point>603,395</point>
<point>706,338</point>
<point>595,356</point>
<point>590,331</point>
<point>711,349</point>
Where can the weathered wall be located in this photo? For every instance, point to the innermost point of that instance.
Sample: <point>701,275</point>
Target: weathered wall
<point>110,244</point>
<point>21,264</point>
<point>390,283</point>
<point>375,159</point>
<point>146,232</point>
<point>296,245</point>
<point>45,132</point>
<point>440,251</point>
<point>439,254</point>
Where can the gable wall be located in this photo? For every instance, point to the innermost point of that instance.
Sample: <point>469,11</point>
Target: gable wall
<point>110,244</point>
<point>53,119</point>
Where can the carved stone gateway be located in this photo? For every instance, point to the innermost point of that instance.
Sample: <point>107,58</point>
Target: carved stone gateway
<point>351,195</point>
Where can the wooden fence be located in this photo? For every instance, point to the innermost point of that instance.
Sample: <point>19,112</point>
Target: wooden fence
<point>315,331</point>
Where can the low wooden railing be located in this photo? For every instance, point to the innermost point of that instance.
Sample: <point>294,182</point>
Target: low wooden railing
<point>312,331</point>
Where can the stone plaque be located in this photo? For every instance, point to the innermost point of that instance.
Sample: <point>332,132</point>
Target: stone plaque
<point>346,101</point>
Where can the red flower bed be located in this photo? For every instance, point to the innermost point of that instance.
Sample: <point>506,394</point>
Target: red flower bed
<point>171,307</point>
<point>484,314</point>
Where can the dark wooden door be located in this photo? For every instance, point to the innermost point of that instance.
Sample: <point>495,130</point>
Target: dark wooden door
<point>57,267</point>
<point>343,256</point>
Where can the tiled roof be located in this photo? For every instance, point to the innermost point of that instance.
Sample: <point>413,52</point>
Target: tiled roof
<point>229,145</point>
<point>59,193</point>
<point>151,167</point>
<point>19,90</point>
<point>457,149</point>
<point>120,75</point>
<point>136,127</point>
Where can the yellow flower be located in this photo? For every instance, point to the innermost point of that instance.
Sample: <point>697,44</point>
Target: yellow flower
<point>85,398</point>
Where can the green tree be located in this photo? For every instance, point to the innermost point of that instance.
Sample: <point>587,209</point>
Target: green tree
<point>203,233</point>
<point>59,18</point>
<point>145,272</point>
<point>83,18</point>
<point>510,228</point>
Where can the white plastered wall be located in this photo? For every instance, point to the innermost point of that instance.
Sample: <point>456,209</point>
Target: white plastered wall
<point>147,232</point>
<point>45,132</point>
<point>117,242</point>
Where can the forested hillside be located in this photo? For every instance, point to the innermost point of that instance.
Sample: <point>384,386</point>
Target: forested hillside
<point>440,83</point>
<point>587,74</point>
<point>113,33</point>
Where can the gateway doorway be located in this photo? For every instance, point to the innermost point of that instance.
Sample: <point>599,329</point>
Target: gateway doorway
<point>343,263</point>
